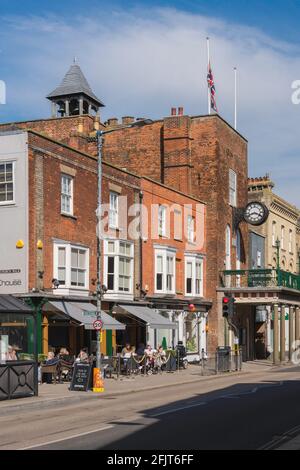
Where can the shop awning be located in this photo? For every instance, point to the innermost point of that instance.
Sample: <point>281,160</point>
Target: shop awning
<point>9,304</point>
<point>149,316</point>
<point>85,314</point>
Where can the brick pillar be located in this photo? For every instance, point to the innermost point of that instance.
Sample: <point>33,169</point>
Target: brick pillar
<point>291,331</point>
<point>177,166</point>
<point>282,333</point>
<point>275,335</point>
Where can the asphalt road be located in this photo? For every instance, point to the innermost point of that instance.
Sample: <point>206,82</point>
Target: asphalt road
<point>259,411</point>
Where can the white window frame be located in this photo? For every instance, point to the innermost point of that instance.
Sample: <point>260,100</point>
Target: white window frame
<point>162,220</point>
<point>194,260</point>
<point>116,254</point>
<point>165,253</point>
<point>62,195</point>
<point>113,216</point>
<point>13,201</point>
<point>232,188</point>
<point>190,229</point>
<point>68,249</point>
<point>177,224</point>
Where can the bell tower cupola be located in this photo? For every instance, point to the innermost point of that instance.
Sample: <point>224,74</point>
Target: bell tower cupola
<point>74,96</point>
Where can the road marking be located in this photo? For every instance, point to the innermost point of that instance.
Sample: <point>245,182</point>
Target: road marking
<point>173,410</point>
<point>74,436</point>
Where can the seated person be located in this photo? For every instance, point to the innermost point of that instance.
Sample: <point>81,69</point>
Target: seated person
<point>50,361</point>
<point>149,353</point>
<point>160,357</point>
<point>127,351</point>
<point>82,356</point>
<point>11,354</point>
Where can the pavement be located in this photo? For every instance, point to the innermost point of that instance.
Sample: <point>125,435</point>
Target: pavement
<point>54,394</point>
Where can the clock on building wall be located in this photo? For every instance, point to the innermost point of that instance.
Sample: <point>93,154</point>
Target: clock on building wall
<point>256,213</point>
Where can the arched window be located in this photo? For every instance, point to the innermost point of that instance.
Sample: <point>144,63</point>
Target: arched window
<point>273,233</point>
<point>282,237</point>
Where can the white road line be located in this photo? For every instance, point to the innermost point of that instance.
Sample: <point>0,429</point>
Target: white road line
<point>173,410</point>
<point>66,438</point>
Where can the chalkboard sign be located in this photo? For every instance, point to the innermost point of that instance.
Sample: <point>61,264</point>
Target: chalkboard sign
<point>81,377</point>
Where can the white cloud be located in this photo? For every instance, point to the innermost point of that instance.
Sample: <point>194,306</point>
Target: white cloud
<point>143,63</point>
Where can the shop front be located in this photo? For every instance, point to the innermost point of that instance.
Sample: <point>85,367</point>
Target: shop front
<point>144,326</point>
<point>18,349</point>
<point>69,324</point>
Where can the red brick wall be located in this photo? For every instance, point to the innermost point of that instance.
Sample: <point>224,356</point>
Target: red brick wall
<point>193,155</point>
<point>137,149</point>
<point>82,227</point>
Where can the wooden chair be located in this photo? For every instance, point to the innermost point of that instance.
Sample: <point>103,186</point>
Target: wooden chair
<point>49,369</point>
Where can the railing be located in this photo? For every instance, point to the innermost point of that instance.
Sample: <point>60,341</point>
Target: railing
<point>259,278</point>
<point>18,379</point>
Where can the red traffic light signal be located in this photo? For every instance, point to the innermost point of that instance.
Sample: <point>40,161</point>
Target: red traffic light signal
<point>228,305</point>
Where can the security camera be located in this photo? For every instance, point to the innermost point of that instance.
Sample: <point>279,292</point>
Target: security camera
<point>55,283</point>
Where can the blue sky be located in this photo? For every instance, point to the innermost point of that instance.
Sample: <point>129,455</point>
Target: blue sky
<point>143,57</point>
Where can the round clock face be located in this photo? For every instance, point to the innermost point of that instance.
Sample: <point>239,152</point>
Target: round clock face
<point>255,213</point>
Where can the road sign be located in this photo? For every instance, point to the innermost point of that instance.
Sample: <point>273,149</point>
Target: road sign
<point>89,313</point>
<point>97,325</point>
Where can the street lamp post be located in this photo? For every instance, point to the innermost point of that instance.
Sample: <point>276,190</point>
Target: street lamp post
<point>99,204</point>
<point>99,291</point>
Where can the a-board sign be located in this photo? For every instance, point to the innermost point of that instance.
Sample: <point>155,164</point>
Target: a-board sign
<point>81,378</point>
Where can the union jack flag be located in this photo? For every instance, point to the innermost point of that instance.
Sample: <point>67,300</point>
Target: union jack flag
<point>211,86</point>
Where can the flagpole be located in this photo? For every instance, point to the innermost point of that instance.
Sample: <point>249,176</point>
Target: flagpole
<point>235,97</point>
<point>208,90</point>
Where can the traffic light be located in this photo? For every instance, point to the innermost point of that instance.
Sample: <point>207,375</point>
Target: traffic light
<point>228,305</point>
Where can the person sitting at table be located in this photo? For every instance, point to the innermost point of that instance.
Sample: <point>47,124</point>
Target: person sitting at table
<point>11,354</point>
<point>160,357</point>
<point>149,353</point>
<point>82,356</point>
<point>127,351</point>
<point>50,361</point>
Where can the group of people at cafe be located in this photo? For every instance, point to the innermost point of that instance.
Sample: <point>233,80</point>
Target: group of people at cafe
<point>153,356</point>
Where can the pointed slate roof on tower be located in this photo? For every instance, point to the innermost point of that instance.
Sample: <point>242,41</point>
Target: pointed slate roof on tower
<point>73,83</point>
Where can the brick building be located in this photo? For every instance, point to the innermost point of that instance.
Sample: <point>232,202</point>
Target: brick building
<point>49,247</point>
<point>205,157</point>
<point>200,156</point>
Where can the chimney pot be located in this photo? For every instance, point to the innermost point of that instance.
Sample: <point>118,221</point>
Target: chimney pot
<point>180,111</point>
<point>112,122</point>
<point>127,119</point>
<point>173,112</point>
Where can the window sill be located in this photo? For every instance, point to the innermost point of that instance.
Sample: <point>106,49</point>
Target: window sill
<point>7,203</point>
<point>68,216</point>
